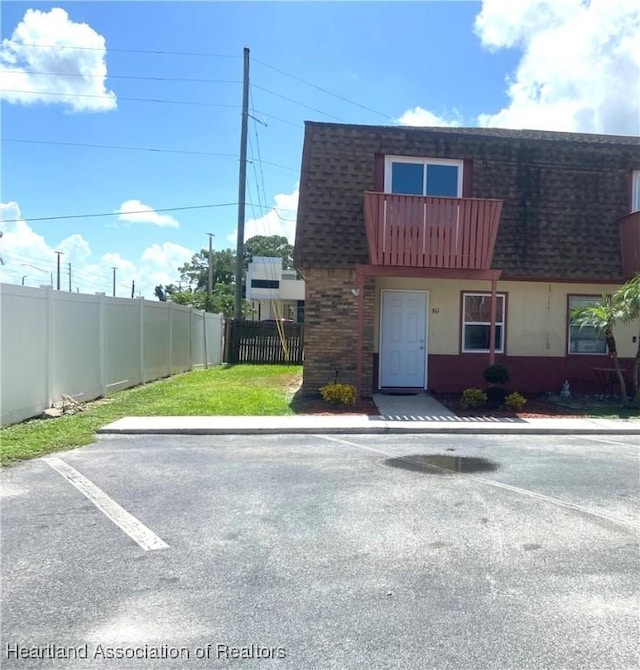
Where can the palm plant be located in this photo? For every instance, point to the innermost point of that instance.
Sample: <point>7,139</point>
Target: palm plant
<point>603,317</point>
<point>628,297</point>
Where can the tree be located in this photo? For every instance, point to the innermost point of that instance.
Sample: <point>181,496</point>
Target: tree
<point>196,272</point>
<point>269,245</point>
<point>159,293</point>
<point>221,300</point>
<point>603,317</point>
<point>628,298</point>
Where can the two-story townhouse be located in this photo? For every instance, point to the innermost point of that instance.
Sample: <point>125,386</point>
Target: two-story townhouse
<point>429,253</point>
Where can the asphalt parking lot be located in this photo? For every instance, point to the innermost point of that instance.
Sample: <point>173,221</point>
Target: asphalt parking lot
<point>303,552</point>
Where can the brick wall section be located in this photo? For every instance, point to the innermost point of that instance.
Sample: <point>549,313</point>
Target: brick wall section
<point>331,328</point>
<point>368,383</point>
<point>563,194</point>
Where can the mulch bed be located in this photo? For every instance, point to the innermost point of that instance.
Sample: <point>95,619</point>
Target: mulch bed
<point>536,408</point>
<point>316,405</point>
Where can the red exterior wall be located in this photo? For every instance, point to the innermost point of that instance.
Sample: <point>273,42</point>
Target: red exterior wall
<point>528,374</point>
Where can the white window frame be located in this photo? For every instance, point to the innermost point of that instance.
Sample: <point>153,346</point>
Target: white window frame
<point>388,160</point>
<point>585,298</point>
<point>465,323</point>
<point>635,191</point>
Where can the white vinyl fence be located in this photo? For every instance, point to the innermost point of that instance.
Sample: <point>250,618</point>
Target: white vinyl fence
<point>54,343</point>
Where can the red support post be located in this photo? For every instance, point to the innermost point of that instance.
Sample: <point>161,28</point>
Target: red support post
<point>492,327</point>
<point>360,333</point>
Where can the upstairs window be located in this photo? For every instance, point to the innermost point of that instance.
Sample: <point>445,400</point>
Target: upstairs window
<point>423,176</point>
<point>635,191</point>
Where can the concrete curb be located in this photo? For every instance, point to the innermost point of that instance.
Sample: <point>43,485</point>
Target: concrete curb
<point>362,425</point>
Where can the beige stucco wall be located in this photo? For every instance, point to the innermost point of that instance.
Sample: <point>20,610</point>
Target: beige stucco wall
<point>536,314</point>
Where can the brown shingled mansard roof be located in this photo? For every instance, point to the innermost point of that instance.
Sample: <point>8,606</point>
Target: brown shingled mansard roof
<point>563,193</point>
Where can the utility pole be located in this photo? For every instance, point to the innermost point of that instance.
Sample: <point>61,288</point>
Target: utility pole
<point>210,283</point>
<point>242,184</point>
<point>133,287</point>
<point>69,266</point>
<point>114,280</point>
<point>58,272</point>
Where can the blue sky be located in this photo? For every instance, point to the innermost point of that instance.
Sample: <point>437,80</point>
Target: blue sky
<point>565,65</point>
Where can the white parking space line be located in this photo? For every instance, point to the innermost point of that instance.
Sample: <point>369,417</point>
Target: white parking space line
<point>135,529</point>
<point>602,439</point>
<point>611,518</point>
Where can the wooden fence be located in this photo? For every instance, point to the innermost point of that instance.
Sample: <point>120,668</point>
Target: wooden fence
<point>261,342</point>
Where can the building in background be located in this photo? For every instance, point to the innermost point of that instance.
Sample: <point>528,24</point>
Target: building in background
<point>273,292</point>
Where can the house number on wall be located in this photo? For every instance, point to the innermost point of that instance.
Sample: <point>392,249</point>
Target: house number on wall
<point>435,310</point>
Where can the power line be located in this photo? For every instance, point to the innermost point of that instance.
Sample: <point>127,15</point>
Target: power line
<point>143,211</point>
<point>19,258</point>
<point>92,279</point>
<point>324,90</point>
<point>278,165</point>
<point>296,102</point>
<point>117,146</point>
<point>203,55</point>
<point>255,130</point>
<point>131,51</point>
<point>119,97</point>
<point>86,277</point>
<point>132,148</point>
<point>278,118</point>
<point>124,76</point>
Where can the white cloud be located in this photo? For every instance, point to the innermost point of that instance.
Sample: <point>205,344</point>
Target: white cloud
<point>134,211</point>
<point>27,254</point>
<point>281,220</point>
<point>18,237</point>
<point>75,248</point>
<point>418,116</point>
<point>580,68</point>
<point>163,260</point>
<point>42,42</point>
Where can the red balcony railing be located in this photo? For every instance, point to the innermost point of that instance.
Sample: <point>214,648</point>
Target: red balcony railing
<point>427,232</point>
<point>630,244</point>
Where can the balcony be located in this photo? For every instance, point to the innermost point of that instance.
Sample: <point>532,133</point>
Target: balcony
<point>630,244</point>
<point>427,232</point>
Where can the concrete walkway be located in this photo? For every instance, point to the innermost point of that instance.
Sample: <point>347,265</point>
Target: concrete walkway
<point>418,407</point>
<point>398,414</point>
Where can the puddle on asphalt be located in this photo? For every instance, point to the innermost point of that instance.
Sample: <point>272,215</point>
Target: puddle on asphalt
<point>441,465</point>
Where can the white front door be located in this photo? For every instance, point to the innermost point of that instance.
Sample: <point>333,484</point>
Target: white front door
<point>403,339</point>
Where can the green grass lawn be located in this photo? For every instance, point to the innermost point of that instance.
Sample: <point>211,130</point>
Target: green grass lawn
<point>224,390</point>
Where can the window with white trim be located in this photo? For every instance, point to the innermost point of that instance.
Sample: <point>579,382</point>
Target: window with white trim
<point>476,322</point>
<point>407,175</point>
<point>584,339</point>
<point>635,191</point>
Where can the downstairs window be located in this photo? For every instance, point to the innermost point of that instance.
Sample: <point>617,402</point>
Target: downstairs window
<point>585,339</point>
<point>476,322</point>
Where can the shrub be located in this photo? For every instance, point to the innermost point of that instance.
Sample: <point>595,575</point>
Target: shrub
<point>473,397</point>
<point>515,401</point>
<point>339,394</point>
<point>496,374</point>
